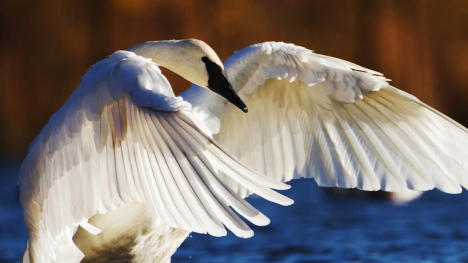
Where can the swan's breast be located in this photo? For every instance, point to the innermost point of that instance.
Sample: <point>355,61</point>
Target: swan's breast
<point>129,234</point>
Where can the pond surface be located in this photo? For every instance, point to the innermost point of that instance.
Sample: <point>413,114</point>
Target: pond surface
<point>319,227</point>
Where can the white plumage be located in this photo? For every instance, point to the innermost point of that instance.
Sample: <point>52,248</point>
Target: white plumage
<point>124,138</point>
<point>321,117</point>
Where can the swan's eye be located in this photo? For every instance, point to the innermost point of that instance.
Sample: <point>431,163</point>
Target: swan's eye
<point>205,59</point>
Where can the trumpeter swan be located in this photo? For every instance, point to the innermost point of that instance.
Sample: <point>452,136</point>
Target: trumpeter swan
<point>125,169</point>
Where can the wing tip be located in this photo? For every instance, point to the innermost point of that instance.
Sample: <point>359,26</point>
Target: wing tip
<point>286,201</point>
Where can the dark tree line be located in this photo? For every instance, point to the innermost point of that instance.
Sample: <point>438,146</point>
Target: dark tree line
<point>47,45</point>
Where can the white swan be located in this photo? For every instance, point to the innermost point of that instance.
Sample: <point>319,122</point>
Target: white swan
<point>127,169</point>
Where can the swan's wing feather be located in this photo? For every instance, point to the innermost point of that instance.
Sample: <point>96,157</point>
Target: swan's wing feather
<point>342,124</point>
<point>124,137</point>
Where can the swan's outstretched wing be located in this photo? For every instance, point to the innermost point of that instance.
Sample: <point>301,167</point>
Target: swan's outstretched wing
<point>124,137</point>
<point>317,116</point>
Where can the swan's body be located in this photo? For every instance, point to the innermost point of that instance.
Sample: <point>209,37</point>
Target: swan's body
<point>126,157</point>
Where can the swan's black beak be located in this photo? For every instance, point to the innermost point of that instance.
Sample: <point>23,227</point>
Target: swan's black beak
<point>218,83</point>
<point>226,91</point>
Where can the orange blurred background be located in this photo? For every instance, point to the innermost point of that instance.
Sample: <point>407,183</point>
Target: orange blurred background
<point>47,45</point>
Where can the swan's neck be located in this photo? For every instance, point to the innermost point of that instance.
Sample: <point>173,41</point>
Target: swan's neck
<point>179,56</point>
<point>164,53</point>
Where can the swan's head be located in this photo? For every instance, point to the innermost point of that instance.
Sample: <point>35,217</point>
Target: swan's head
<point>195,61</point>
<point>200,65</point>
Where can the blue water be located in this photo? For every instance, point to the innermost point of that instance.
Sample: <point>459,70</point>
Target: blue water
<point>319,227</point>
